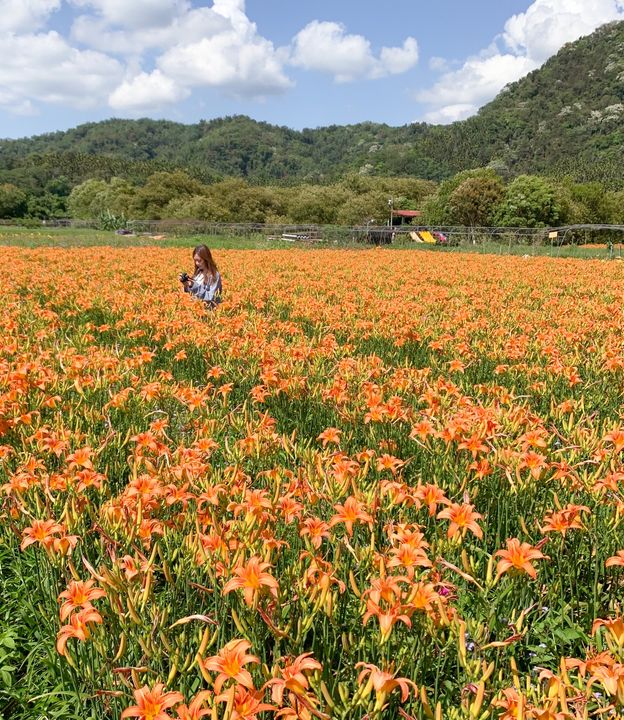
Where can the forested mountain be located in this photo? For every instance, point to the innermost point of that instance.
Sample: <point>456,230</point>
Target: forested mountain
<point>565,118</point>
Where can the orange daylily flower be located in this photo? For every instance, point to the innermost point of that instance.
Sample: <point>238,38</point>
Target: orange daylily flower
<point>421,430</point>
<point>79,594</point>
<point>78,628</point>
<point>247,704</point>
<point>563,520</point>
<point>387,617</point>
<point>534,462</point>
<point>145,441</point>
<point>389,462</point>
<point>431,496</point>
<point>152,703</point>
<point>376,413</point>
<point>409,557</point>
<point>319,580</point>
<point>330,435</point>
<point>590,663</point>
<point>615,560</point>
<point>41,531</point>
<point>196,709</point>
<point>81,458</point>
<point>518,556</point>
<point>386,588</point>
<point>615,627</point>
<point>482,468</point>
<point>230,663</point>
<point>64,544</point>
<point>383,683</point>
<point>292,677</point>
<point>316,529</point>
<point>534,438</point>
<point>474,444</point>
<point>463,518</point>
<point>350,513</point>
<point>422,596</point>
<point>407,533</point>
<point>611,678</point>
<point>456,366</point>
<point>251,578</point>
<point>617,438</point>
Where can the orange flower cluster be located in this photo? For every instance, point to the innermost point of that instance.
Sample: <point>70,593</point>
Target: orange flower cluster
<point>369,484</point>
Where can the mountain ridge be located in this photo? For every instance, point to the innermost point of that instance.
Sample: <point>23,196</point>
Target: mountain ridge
<point>566,117</point>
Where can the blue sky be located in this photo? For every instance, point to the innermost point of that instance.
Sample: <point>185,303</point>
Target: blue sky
<point>299,63</point>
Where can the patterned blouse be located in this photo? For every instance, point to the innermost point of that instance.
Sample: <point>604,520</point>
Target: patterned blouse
<point>207,290</point>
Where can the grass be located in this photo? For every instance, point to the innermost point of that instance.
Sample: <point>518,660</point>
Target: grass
<point>87,237</point>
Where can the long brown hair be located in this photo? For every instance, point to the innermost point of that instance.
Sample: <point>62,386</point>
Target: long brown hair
<point>204,253</point>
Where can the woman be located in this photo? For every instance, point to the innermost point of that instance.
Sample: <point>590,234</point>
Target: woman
<point>206,281</point>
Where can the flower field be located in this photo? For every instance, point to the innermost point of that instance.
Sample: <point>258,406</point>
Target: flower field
<point>373,484</point>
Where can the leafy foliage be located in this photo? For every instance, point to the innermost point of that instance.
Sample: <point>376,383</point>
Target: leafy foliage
<point>473,201</point>
<point>12,201</point>
<point>566,116</point>
<point>529,202</point>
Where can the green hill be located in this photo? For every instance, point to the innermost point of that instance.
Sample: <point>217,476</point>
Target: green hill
<point>565,118</point>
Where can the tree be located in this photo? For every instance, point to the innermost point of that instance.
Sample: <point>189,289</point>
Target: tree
<point>437,208</point>
<point>92,198</point>
<point>86,200</point>
<point>475,201</point>
<point>12,201</point>
<point>595,201</point>
<point>199,207</point>
<point>370,207</point>
<point>47,206</point>
<point>314,204</point>
<point>529,201</point>
<point>119,197</point>
<point>615,201</point>
<point>160,189</point>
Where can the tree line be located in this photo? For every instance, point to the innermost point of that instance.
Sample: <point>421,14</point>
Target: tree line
<point>481,197</point>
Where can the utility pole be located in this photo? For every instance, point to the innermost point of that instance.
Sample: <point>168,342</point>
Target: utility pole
<point>391,208</point>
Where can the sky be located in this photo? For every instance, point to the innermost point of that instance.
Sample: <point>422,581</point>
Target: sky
<point>295,63</point>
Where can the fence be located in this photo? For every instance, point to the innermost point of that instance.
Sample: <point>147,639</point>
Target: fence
<point>602,241</point>
<point>570,241</point>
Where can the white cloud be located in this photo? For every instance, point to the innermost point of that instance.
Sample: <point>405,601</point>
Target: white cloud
<point>398,60</point>
<point>451,113</point>
<point>528,40</point>
<point>476,82</point>
<point>43,67</point>
<point>186,28</point>
<point>16,105</point>
<point>146,92</point>
<point>182,47</point>
<point>225,61</point>
<point>25,15</point>
<point>215,46</point>
<point>539,32</point>
<point>136,14</point>
<point>233,57</point>
<point>144,54</point>
<point>327,47</point>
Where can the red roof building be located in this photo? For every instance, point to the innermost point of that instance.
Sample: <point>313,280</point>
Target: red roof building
<point>406,216</point>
